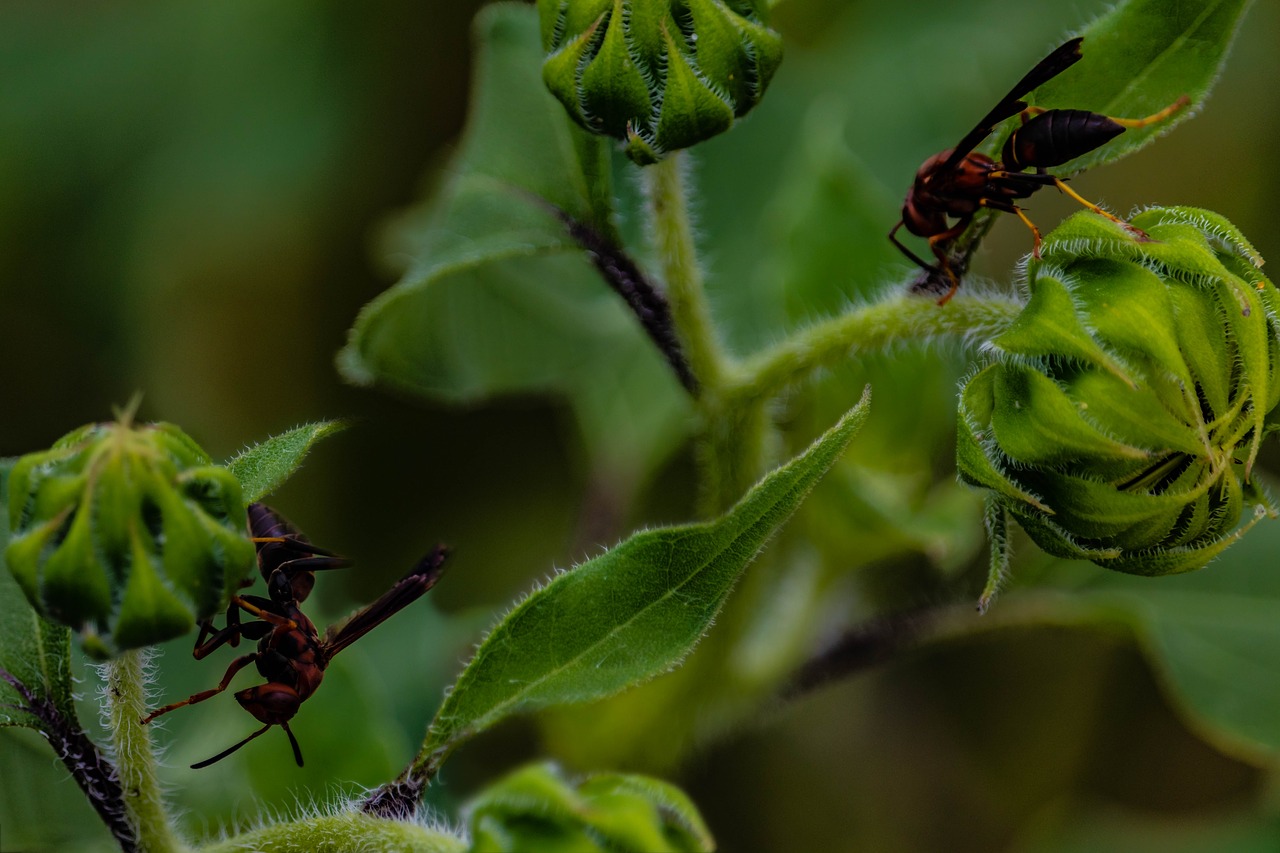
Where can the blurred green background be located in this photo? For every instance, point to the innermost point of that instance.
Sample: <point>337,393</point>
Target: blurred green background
<point>190,204</point>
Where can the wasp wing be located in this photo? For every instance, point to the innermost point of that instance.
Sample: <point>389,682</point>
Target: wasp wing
<point>407,590</point>
<point>1051,66</point>
<point>269,528</point>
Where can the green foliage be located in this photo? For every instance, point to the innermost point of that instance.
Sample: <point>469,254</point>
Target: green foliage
<point>884,499</point>
<point>263,468</point>
<point>1212,635</point>
<point>1139,58</point>
<point>33,650</point>
<point>494,258</point>
<point>627,615</point>
<point>1121,421</point>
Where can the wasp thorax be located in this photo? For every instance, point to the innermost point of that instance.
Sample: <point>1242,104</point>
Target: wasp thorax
<point>1122,411</point>
<point>127,534</point>
<point>659,74</point>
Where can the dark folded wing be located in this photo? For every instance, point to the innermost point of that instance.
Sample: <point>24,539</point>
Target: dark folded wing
<point>407,590</point>
<point>1051,66</point>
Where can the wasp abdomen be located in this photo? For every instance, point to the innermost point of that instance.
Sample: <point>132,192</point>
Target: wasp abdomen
<point>1056,136</point>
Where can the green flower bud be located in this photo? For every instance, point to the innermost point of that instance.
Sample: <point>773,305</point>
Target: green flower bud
<point>1121,415</point>
<point>659,74</point>
<point>537,809</point>
<point>127,534</point>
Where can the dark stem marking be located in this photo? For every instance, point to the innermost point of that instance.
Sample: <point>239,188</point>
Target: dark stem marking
<point>863,647</point>
<point>93,772</point>
<point>644,299</point>
<point>396,800</point>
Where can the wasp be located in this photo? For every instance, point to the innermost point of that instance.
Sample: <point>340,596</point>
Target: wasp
<point>955,184</point>
<point>291,655</point>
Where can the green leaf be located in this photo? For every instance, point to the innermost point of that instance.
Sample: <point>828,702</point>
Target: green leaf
<point>628,615</point>
<point>34,651</point>
<point>976,454</point>
<point>1036,423</point>
<point>501,299</point>
<point>262,469</point>
<point>1139,58</point>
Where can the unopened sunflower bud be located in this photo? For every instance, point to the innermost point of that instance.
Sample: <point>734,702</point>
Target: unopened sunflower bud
<point>658,74</point>
<point>536,808</point>
<point>127,534</point>
<point>1122,413</point>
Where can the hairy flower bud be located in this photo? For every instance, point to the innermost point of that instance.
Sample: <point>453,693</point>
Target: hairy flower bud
<point>1120,417</point>
<point>659,74</point>
<point>127,534</point>
<point>536,808</point>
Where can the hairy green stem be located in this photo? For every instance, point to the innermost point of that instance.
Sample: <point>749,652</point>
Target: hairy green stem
<point>896,320</point>
<point>732,449</point>
<point>134,756</point>
<point>677,252</point>
<point>341,832</point>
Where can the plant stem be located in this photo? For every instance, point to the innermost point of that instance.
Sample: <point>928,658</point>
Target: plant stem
<point>896,320</point>
<point>677,253</point>
<point>135,758</point>
<point>732,449</point>
<point>347,831</point>
<point>888,637</point>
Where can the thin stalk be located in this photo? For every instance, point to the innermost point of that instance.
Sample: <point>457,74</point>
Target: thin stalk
<point>346,831</point>
<point>677,253</point>
<point>891,637</point>
<point>893,321</point>
<point>134,755</point>
<point>732,450</point>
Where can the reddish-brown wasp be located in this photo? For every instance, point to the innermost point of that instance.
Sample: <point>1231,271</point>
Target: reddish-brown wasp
<point>291,654</point>
<point>956,183</point>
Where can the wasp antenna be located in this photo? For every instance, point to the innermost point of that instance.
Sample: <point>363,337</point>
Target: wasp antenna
<point>229,750</point>
<point>293,741</point>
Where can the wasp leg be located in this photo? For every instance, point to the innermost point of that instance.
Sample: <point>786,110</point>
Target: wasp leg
<point>1132,123</point>
<point>933,271</point>
<point>1138,234</point>
<point>1029,113</point>
<point>1010,207</point>
<point>940,244</point>
<point>249,605</point>
<point>236,665</point>
<point>910,254</point>
<point>235,629</point>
